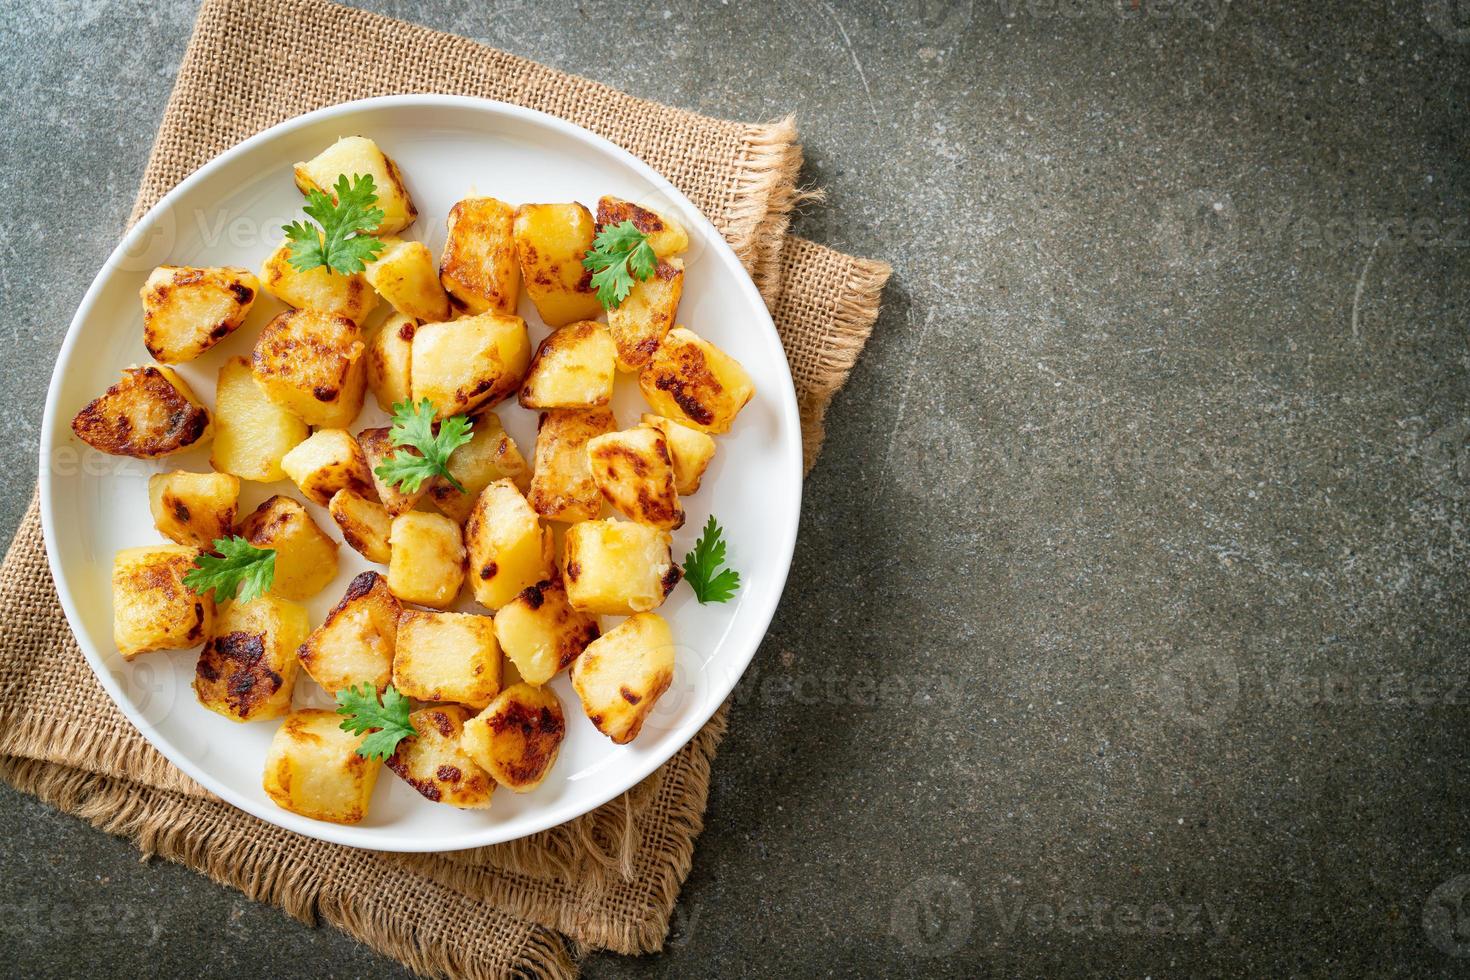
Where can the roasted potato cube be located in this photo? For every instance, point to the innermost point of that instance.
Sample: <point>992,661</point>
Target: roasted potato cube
<point>691,450</point>
<point>152,608</point>
<point>354,645</point>
<point>692,381</point>
<point>551,241</point>
<point>149,413</point>
<point>490,455</point>
<point>312,768</point>
<point>404,275</point>
<point>508,549</point>
<point>320,289</point>
<point>306,559</point>
<point>634,471</point>
<point>328,461</point>
<point>247,670</point>
<point>639,324</point>
<point>562,488</point>
<point>447,656</point>
<point>354,156</point>
<point>365,524</point>
<point>516,739</point>
<point>433,763</point>
<point>252,433</point>
<point>312,364</point>
<point>377,445</point>
<point>194,508</point>
<point>426,564</point>
<point>389,359</point>
<point>188,310</point>
<point>665,235</point>
<point>573,368</point>
<point>479,267</point>
<point>618,567</point>
<point>467,363</point>
<point>622,674</point>
<point>540,631</point>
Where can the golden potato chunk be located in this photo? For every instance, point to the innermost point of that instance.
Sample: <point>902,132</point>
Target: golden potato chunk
<point>447,656</point>
<point>691,450</point>
<point>634,471</point>
<point>427,559</point>
<point>328,461</point>
<point>618,567</point>
<point>508,549</point>
<point>562,488</point>
<point>540,631</point>
<point>551,241</point>
<point>573,368</point>
<point>252,433</point>
<point>312,768</point>
<point>479,267</point>
<point>354,156</point>
<point>433,763</point>
<point>188,310</point>
<point>320,289</point>
<point>194,508</point>
<point>306,559</point>
<point>152,608</point>
<point>665,235</point>
<point>490,455</point>
<point>312,364</point>
<point>389,361</point>
<point>355,644</point>
<point>464,364</point>
<point>365,524</point>
<point>247,670</point>
<point>640,323</point>
<point>377,445</point>
<point>692,381</point>
<point>621,675</point>
<point>404,275</point>
<point>516,739</point>
<point>149,413</point>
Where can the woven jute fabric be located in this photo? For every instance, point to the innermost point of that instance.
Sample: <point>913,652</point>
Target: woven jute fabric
<point>606,880</point>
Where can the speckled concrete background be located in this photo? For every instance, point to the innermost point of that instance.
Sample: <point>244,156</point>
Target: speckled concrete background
<point>1127,631</point>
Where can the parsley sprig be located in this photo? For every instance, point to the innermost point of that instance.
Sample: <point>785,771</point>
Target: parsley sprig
<point>238,563</point>
<point>702,567</point>
<point>619,254</point>
<point>344,241</point>
<point>388,720</point>
<point>413,426</point>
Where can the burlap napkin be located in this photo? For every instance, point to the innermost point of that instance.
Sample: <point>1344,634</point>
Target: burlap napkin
<point>607,880</point>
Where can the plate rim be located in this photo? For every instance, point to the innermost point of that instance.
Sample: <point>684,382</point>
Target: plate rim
<point>353,835</point>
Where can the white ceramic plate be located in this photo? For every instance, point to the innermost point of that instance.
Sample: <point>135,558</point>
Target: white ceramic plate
<point>230,213</point>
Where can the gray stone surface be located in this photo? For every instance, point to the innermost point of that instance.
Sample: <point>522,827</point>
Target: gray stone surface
<point>1127,627</point>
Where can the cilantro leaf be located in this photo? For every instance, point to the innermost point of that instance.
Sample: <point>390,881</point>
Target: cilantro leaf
<point>388,721</point>
<point>620,254</point>
<point>702,567</point>
<point>238,562</point>
<point>344,242</point>
<point>413,426</point>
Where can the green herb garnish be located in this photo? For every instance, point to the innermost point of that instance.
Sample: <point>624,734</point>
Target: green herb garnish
<point>344,241</point>
<point>238,563</point>
<point>413,426</point>
<point>702,567</point>
<point>620,254</point>
<point>388,719</point>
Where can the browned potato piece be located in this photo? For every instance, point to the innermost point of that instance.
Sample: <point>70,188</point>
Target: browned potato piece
<point>508,548</point>
<point>540,631</point>
<point>620,676</point>
<point>389,361</point>
<point>247,670</point>
<point>551,241</point>
<point>194,508</point>
<point>447,656</point>
<point>516,739</point>
<point>149,413</point>
<point>433,763</point>
<point>364,524</point>
<point>573,368</point>
<point>328,461</point>
<point>665,235</point>
<point>561,486</point>
<point>319,289</point>
<point>476,361</point>
<point>312,768</point>
<point>691,450</point>
<point>306,559</point>
<point>377,445</point>
<point>353,156</point>
<point>490,455</point>
<point>479,266</point>
<point>618,567</point>
<point>692,381</point>
<point>354,645</point>
<point>188,310</point>
<point>312,364</point>
<point>635,473</point>
<point>152,608</point>
<point>252,433</point>
<point>638,324</point>
<point>426,560</point>
<point>404,275</point>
